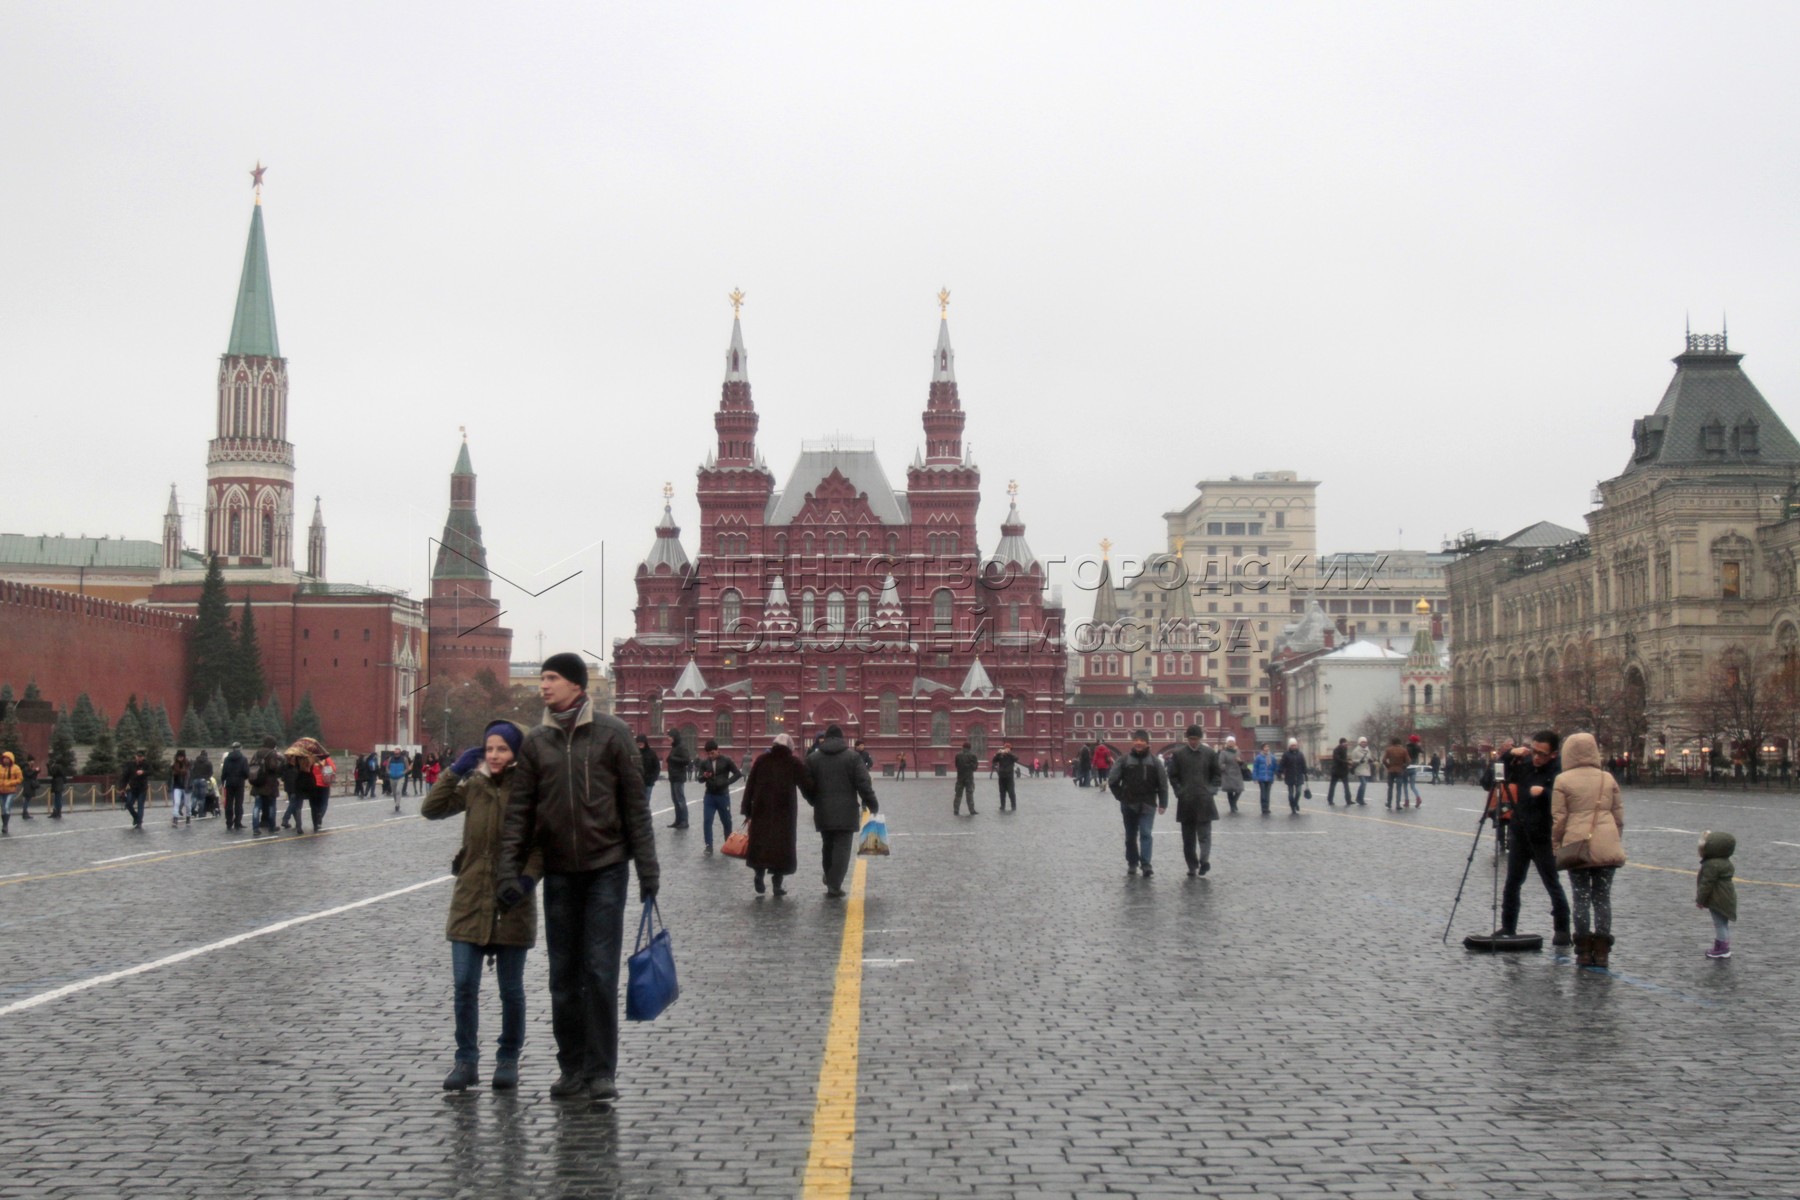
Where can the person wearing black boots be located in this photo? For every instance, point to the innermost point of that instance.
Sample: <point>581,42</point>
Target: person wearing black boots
<point>134,780</point>
<point>1005,768</point>
<point>679,761</point>
<point>1193,774</point>
<point>1534,768</point>
<point>1139,782</point>
<point>966,762</point>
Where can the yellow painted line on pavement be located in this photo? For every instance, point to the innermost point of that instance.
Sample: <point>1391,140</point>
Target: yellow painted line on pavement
<point>270,840</point>
<point>1465,833</point>
<point>833,1150</point>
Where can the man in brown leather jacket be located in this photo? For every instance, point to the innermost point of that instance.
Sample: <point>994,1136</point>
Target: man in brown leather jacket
<point>578,797</point>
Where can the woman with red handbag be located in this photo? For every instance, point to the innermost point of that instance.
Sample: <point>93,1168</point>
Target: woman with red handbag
<point>771,809</point>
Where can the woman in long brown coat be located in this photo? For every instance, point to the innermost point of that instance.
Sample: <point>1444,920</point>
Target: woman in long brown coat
<point>476,785</point>
<point>1585,806</point>
<point>771,806</point>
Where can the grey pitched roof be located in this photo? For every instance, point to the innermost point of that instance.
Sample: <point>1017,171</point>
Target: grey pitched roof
<point>858,464</point>
<point>1710,392</point>
<point>943,358</point>
<point>1544,533</point>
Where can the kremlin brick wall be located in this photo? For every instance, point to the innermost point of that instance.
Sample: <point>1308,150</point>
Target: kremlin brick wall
<point>68,644</point>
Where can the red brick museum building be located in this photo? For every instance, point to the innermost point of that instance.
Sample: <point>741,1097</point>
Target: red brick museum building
<point>835,598</point>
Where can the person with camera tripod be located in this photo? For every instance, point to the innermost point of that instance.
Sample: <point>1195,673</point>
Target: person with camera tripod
<point>1532,770</point>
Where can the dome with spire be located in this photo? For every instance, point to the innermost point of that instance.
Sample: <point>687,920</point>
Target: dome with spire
<point>666,551</point>
<point>1013,550</point>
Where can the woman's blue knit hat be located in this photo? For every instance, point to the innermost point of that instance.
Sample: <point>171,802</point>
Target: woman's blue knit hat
<point>509,733</point>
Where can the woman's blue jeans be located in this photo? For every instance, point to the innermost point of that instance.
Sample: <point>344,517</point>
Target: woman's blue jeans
<point>509,967</point>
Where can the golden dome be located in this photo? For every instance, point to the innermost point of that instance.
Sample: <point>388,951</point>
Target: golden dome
<point>1423,607</point>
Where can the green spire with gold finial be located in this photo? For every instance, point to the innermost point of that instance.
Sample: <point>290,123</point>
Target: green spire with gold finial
<point>253,323</point>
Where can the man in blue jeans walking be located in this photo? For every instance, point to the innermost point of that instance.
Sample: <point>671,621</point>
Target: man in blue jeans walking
<point>578,796</point>
<point>1140,783</point>
<point>716,774</point>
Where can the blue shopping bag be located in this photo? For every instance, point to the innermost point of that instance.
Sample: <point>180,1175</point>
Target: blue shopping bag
<point>650,985</point>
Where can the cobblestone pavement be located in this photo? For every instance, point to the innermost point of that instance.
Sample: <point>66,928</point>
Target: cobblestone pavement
<point>1034,1022</point>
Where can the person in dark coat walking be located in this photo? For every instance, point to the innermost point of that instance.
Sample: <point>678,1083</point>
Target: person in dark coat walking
<point>841,790</point>
<point>771,812</point>
<point>1084,767</point>
<point>679,761</point>
<point>1340,772</point>
<point>1139,782</point>
<point>1193,776</point>
<point>234,773</point>
<point>202,797</point>
<point>1005,768</point>
<point>135,780</point>
<point>966,762</point>
<point>1293,773</point>
<point>652,764</point>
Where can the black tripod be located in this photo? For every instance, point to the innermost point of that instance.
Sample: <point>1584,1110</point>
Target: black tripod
<point>1489,943</point>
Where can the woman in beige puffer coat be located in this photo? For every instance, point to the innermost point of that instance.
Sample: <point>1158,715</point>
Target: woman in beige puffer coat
<point>1585,805</point>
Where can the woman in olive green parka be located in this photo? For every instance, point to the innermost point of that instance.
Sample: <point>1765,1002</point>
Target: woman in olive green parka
<point>476,785</point>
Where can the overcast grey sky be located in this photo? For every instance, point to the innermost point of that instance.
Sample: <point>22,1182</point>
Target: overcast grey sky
<point>1436,256</point>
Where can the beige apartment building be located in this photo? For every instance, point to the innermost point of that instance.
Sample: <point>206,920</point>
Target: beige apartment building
<point>1250,547</point>
<point>1691,553</point>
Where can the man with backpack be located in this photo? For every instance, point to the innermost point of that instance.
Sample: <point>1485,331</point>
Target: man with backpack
<point>396,769</point>
<point>264,778</point>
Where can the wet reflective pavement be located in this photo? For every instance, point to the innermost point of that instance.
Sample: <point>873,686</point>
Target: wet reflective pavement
<point>186,1012</point>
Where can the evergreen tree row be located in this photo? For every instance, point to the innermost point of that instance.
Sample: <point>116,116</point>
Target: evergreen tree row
<point>147,727</point>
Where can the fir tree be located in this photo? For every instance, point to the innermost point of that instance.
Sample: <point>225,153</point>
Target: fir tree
<point>306,720</point>
<point>31,692</point>
<point>133,711</point>
<point>154,754</point>
<point>194,729</point>
<point>274,722</point>
<point>159,720</point>
<point>84,722</point>
<point>62,751</point>
<point>212,655</point>
<point>12,739</point>
<point>247,672</point>
<point>100,758</point>
<point>218,717</point>
<point>6,698</point>
<point>128,735</point>
<point>246,730</point>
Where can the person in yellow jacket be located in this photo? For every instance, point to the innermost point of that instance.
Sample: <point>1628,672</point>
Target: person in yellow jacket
<point>477,785</point>
<point>11,780</point>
